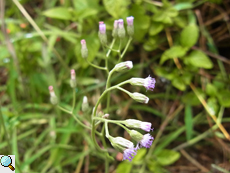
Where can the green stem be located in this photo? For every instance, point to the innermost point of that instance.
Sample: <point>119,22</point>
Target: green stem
<point>126,47</point>
<point>114,40</point>
<point>96,66</point>
<point>74,99</point>
<point>118,122</point>
<point>122,89</point>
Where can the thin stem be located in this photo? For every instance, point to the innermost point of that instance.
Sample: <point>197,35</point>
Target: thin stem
<point>118,122</point>
<point>114,40</point>
<point>96,66</point>
<point>65,110</point>
<point>74,99</point>
<point>126,47</point>
<point>122,89</point>
<point>106,129</point>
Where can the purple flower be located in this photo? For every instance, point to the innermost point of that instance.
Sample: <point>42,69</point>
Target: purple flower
<point>146,141</point>
<point>149,83</point>
<point>146,126</point>
<point>83,44</point>
<point>102,27</point>
<point>130,20</point>
<point>120,23</point>
<point>129,154</point>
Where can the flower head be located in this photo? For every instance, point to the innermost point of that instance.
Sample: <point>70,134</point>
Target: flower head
<point>130,27</point>
<point>139,97</point>
<point>73,82</point>
<point>129,154</point>
<point>102,28</point>
<point>123,145</point>
<point>146,141</point>
<point>148,83</point>
<point>130,20</point>
<point>53,97</point>
<point>84,50</point>
<point>121,29</point>
<point>123,66</point>
<point>132,123</point>
<point>102,33</point>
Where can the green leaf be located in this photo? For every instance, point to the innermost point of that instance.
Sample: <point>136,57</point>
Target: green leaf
<point>188,122</point>
<point>140,154</point>
<point>198,59</point>
<point>183,6</point>
<point>154,166</point>
<point>189,36</point>
<point>173,52</point>
<point>116,8</point>
<point>223,97</point>
<point>179,83</point>
<point>167,157</point>
<point>151,44</point>
<point>124,167</point>
<point>211,90</point>
<point>155,28</point>
<point>191,99</point>
<point>58,13</point>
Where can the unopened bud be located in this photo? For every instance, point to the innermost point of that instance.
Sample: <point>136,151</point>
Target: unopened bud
<point>85,104</point>
<point>84,50</point>
<point>102,33</point>
<point>139,97</point>
<point>130,27</point>
<point>53,97</point>
<point>115,29</point>
<point>121,29</point>
<point>123,66</point>
<point>73,82</point>
<point>105,116</point>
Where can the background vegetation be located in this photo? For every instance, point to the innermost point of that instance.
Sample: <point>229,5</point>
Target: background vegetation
<point>182,43</point>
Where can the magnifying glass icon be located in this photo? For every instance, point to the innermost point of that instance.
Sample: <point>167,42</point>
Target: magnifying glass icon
<point>6,161</point>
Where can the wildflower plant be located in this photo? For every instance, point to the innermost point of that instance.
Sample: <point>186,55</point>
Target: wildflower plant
<point>130,125</point>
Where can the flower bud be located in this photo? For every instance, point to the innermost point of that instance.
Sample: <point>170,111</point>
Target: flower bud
<point>123,66</point>
<point>53,97</point>
<point>84,50</point>
<point>123,145</point>
<point>139,97</point>
<point>73,82</point>
<point>133,123</point>
<point>115,29</point>
<point>85,104</point>
<point>148,83</point>
<point>137,136</point>
<point>102,33</point>
<point>130,27</point>
<point>121,29</point>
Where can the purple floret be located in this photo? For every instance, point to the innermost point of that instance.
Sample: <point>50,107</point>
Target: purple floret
<point>129,154</point>
<point>146,141</point>
<point>149,83</point>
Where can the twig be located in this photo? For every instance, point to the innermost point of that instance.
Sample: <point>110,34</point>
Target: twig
<point>193,161</point>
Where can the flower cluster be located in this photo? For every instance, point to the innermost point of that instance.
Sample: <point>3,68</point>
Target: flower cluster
<point>119,143</point>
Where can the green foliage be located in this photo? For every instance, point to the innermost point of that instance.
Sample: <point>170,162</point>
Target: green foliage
<point>173,52</point>
<point>198,59</point>
<point>116,8</point>
<point>167,157</point>
<point>189,36</point>
<point>58,13</point>
<point>188,121</point>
